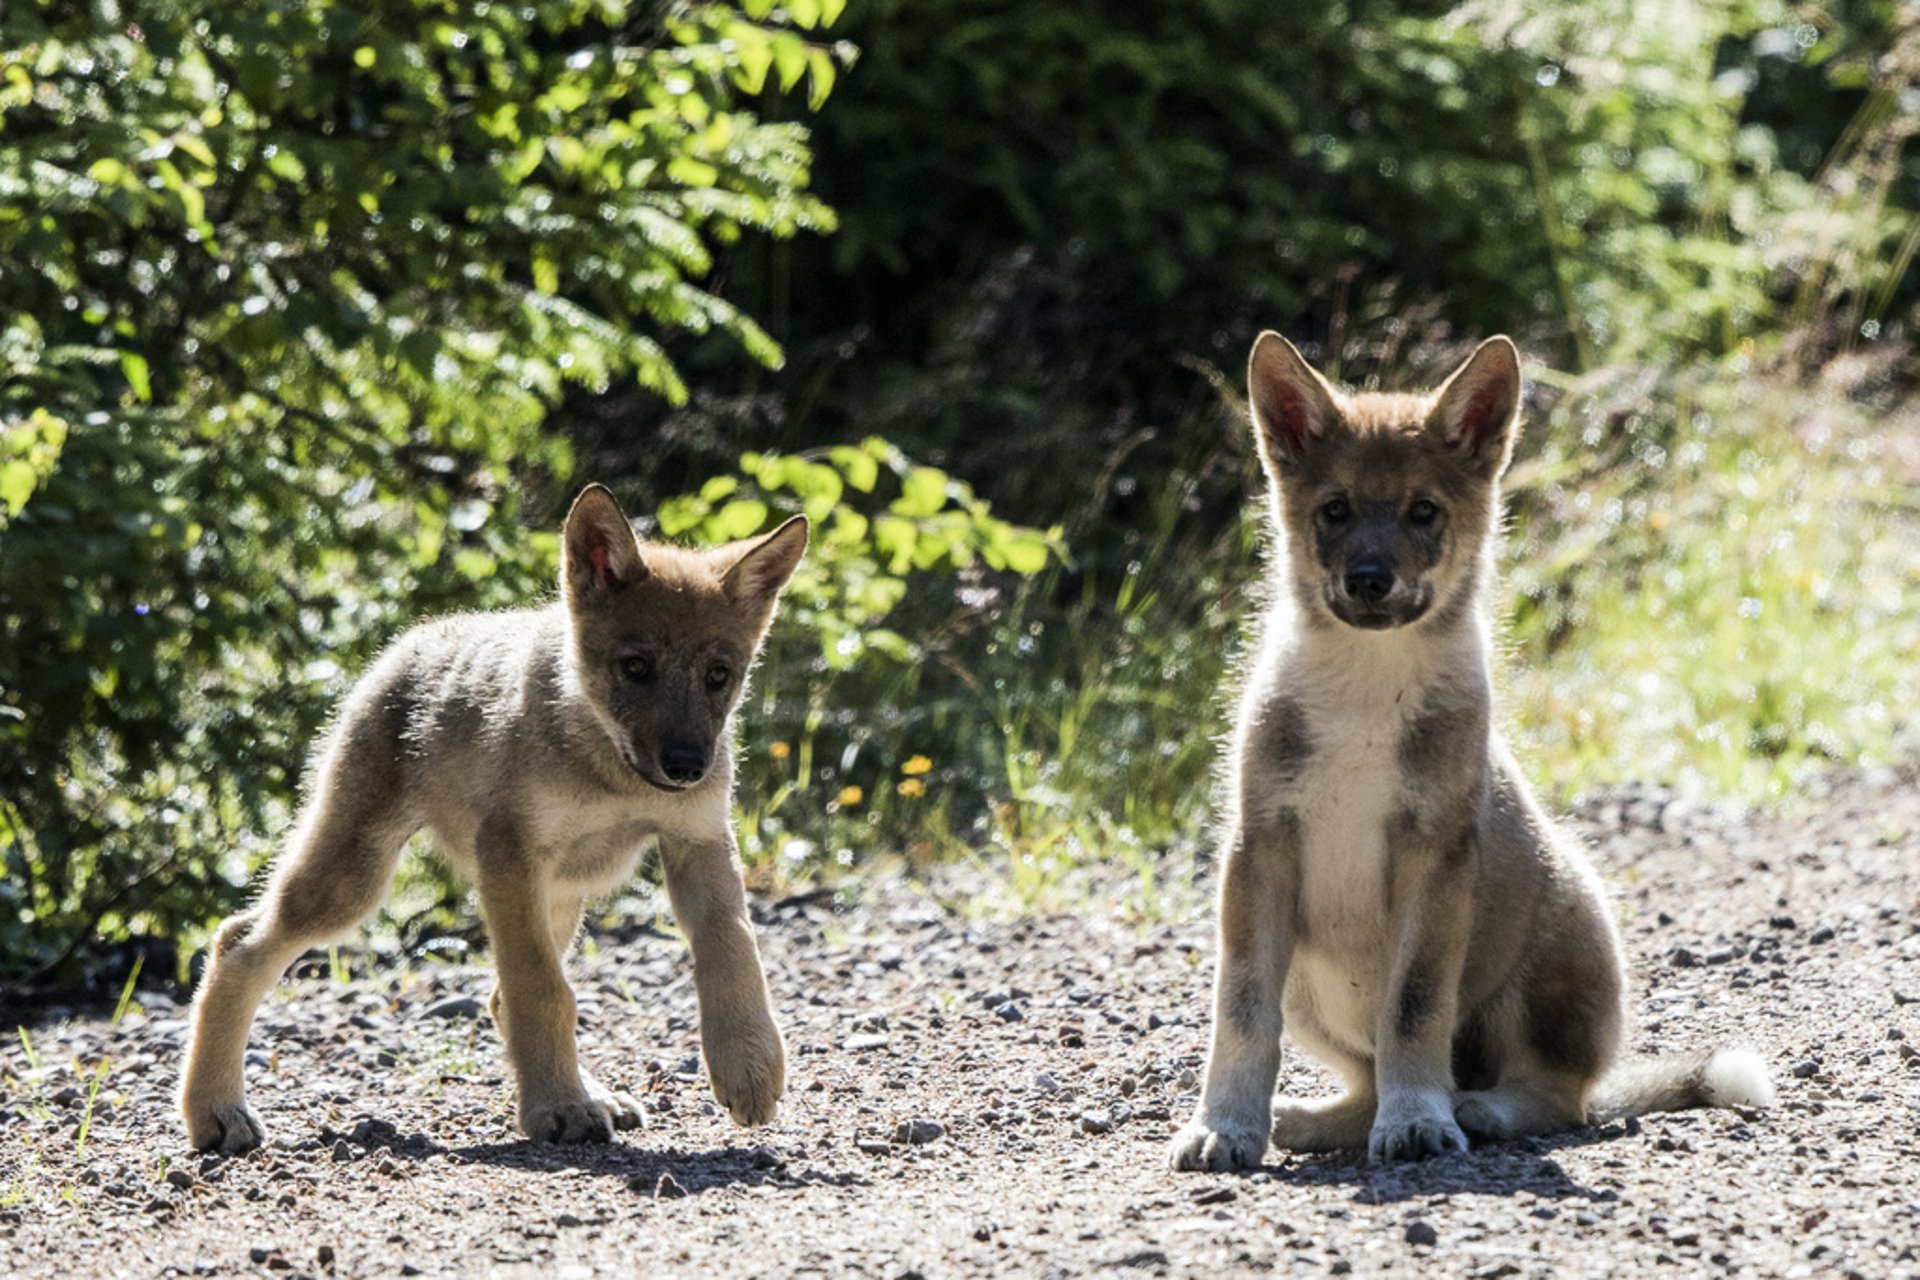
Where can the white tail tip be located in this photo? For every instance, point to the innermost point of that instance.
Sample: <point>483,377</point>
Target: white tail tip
<point>1737,1078</point>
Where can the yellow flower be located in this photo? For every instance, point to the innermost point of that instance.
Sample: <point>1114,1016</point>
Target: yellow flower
<point>916,766</point>
<point>911,787</point>
<point>780,751</point>
<point>850,796</point>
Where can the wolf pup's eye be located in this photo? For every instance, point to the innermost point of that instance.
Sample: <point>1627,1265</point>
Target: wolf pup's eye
<point>718,675</point>
<point>636,668</point>
<point>1334,510</point>
<point>1423,512</point>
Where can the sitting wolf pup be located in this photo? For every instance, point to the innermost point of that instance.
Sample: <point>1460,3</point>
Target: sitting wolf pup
<point>1389,883</point>
<point>544,747</point>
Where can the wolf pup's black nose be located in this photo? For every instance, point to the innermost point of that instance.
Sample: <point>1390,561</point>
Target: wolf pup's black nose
<point>1369,581</point>
<point>683,764</point>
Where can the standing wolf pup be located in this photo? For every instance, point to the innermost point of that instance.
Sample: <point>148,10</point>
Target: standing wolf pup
<point>1390,885</point>
<point>544,747</point>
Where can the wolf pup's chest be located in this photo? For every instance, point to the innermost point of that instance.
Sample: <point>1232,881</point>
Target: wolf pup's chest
<point>1345,796</point>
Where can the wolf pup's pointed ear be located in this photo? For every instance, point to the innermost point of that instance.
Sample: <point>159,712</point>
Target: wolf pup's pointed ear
<point>598,551</point>
<point>766,564</point>
<point>1293,406</point>
<point>1475,412</point>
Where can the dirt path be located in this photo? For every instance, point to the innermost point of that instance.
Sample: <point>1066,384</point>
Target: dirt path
<point>995,1099</point>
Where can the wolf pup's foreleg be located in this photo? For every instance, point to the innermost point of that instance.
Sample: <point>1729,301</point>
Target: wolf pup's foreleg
<point>746,1060</point>
<point>333,874</point>
<point>1413,1043</point>
<point>1257,891</point>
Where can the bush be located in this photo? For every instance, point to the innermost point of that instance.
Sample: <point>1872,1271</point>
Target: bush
<point>300,283</point>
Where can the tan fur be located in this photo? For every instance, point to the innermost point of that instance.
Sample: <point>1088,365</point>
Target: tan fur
<point>1392,894</point>
<point>544,748</point>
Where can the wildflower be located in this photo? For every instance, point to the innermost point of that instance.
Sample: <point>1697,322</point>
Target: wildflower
<point>850,796</point>
<point>780,751</point>
<point>911,787</point>
<point>916,766</point>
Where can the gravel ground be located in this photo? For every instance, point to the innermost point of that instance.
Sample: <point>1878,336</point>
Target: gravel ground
<point>972,1094</point>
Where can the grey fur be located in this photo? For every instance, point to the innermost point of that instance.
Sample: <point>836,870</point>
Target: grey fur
<point>1423,927</point>
<point>543,762</point>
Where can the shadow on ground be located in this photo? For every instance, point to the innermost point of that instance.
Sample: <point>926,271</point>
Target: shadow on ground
<point>1502,1169</point>
<point>662,1173</point>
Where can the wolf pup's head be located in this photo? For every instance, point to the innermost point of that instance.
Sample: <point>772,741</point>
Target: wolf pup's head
<point>663,636</point>
<point>1386,500</point>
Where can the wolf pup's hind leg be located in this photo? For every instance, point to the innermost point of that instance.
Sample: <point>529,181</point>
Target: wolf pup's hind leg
<point>564,913</point>
<point>333,874</point>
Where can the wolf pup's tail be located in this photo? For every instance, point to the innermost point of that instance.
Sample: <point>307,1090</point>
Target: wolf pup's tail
<point>1719,1078</point>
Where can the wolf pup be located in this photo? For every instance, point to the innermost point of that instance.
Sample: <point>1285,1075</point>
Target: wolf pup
<point>544,748</point>
<point>1392,894</point>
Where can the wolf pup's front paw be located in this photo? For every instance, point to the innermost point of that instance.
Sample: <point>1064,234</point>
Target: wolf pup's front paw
<point>1198,1147</point>
<point>622,1108</point>
<point>1413,1129</point>
<point>230,1128</point>
<point>748,1069</point>
<point>566,1119</point>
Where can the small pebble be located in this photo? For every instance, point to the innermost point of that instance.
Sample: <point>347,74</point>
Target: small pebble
<point>455,1007</point>
<point>917,1132</point>
<point>1096,1122</point>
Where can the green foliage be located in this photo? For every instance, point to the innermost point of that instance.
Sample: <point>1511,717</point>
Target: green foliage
<point>1581,168</point>
<point>28,452</point>
<point>861,553</point>
<point>843,699</point>
<point>1718,593</point>
<point>304,282</point>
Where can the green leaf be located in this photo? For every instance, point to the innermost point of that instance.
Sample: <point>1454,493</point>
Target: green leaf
<point>896,537</point>
<point>1025,551</point>
<point>789,58</point>
<point>135,368</point>
<point>285,164</point>
<point>823,73</point>
<point>17,481</point>
<point>861,468</point>
<point>923,491</point>
<point>738,519</point>
<point>678,515</point>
